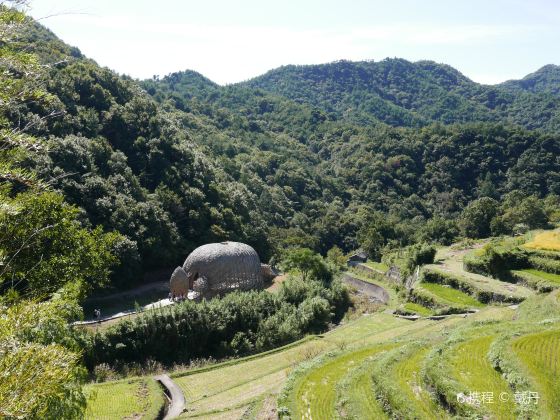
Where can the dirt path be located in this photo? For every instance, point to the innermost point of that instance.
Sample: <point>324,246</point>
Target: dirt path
<point>372,290</point>
<point>276,282</point>
<point>159,304</point>
<point>451,261</point>
<point>176,396</point>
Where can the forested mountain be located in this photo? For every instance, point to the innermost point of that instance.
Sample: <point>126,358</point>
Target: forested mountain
<point>544,80</point>
<point>104,178</point>
<point>402,93</point>
<point>300,156</point>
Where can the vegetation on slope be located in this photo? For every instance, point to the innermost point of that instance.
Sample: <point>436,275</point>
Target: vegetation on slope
<point>102,181</point>
<point>549,241</point>
<point>402,93</point>
<point>137,398</point>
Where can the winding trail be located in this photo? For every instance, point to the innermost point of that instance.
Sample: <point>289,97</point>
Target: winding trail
<point>159,304</point>
<point>177,404</point>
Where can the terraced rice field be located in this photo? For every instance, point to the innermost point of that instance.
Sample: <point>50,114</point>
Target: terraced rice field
<point>339,380</point>
<point>418,309</point>
<point>451,262</point>
<point>540,354</point>
<point>242,384</point>
<point>470,366</point>
<point>133,399</point>
<point>551,277</point>
<point>450,296</point>
<point>315,392</point>
<point>408,379</point>
<point>247,384</point>
<point>549,241</point>
<point>355,397</point>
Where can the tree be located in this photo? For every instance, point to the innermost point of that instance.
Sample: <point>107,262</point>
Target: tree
<point>375,234</point>
<point>477,216</point>
<point>307,263</point>
<point>43,246</point>
<point>336,257</point>
<point>39,360</point>
<point>438,230</point>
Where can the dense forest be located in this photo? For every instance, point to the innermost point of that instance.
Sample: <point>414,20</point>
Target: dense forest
<point>294,157</point>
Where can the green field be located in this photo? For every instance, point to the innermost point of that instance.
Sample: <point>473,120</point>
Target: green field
<point>551,277</point>
<point>540,353</point>
<point>471,367</point>
<point>315,392</point>
<point>135,398</point>
<point>375,366</point>
<point>418,309</point>
<point>408,379</point>
<point>335,374</point>
<point>355,398</point>
<point>450,262</point>
<point>448,295</point>
<point>377,266</point>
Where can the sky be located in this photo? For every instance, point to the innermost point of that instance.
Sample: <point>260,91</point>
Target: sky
<point>229,41</point>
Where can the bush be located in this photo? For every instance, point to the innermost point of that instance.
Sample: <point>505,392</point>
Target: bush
<point>424,254</point>
<point>496,262</point>
<point>309,264</point>
<point>545,264</point>
<point>237,324</point>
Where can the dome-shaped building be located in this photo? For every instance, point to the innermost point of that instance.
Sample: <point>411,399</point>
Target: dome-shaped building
<point>218,268</point>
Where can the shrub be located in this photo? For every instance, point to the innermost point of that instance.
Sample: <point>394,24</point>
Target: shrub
<point>545,264</point>
<point>496,262</point>
<point>237,324</point>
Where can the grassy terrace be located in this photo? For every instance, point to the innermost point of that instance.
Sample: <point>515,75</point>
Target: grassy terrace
<point>315,392</point>
<point>551,277</point>
<point>407,374</point>
<point>354,396</point>
<point>449,296</point>
<point>139,398</point>
<point>341,373</point>
<point>418,309</point>
<point>376,366</point>
<point>470,366</point>
<point>250,384</point>
<point>548,241</point>
<point>540,354</point>
<point>450,261</point>
<point>377,266</point>
<point>341,385</point>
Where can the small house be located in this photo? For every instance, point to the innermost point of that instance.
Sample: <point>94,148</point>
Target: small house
<point>357,258</point>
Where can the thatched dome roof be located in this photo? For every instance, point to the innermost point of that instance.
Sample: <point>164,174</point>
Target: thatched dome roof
<point>222,253</point>
<point>219,267</point>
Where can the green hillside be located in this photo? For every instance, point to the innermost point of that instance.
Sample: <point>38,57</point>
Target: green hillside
<point>451,189</point>
<point>402,93</point>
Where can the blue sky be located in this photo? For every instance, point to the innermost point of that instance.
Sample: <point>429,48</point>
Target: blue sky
<point>228,41</point>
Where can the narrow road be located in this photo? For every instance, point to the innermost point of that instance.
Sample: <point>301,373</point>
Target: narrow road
<point>159,304</point>
<point>372,290</point>
<point>177,404</point>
